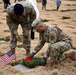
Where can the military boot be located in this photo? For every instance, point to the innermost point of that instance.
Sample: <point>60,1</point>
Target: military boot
<point>27,52</point>
<point>71,54</point>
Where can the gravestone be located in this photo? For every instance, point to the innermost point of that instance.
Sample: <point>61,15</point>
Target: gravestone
<point>21,67</point>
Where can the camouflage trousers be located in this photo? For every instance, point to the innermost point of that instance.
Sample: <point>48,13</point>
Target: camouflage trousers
<point>56,51</point>
<point>26,35</point>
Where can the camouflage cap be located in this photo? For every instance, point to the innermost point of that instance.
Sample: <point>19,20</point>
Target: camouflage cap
<point>36,23</point>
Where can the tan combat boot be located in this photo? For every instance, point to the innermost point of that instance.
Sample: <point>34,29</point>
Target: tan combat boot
<point>27,52</point>
<point>71,54</point>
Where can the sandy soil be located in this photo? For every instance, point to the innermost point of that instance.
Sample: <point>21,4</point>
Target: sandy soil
<point>55,18</point>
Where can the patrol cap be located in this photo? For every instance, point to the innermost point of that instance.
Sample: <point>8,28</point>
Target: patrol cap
<point>35,23</point>
<point>18,9</point>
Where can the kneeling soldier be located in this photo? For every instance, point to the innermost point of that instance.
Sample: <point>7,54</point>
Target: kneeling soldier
<point>58,42</point>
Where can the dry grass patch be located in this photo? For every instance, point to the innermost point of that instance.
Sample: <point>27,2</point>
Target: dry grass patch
<point>65,17</point>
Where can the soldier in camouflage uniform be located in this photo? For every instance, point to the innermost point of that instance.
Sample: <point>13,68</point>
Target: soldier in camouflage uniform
<point>23,14</point>
<point>58,42</point>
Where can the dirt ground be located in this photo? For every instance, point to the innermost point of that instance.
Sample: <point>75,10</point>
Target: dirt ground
<point>67,67</point>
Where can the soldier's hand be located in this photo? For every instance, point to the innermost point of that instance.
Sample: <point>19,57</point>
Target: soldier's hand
<point>43,61</point>
<point>30,57</point>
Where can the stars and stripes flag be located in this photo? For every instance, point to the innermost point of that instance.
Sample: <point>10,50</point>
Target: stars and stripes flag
<point>8,57</point>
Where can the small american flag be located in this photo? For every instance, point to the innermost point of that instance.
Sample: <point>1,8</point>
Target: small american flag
<point>8,57</point>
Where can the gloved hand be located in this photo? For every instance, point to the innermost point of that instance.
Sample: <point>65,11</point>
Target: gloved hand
<point>30,57</point>
<point>43,61</point>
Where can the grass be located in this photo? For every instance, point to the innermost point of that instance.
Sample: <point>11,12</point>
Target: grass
<point>66,23</point>
<point>74,48</point>
<point>3,18</point>
<point>68,10</point>
<point>74,32</point>
<point>0,22</point>
<point>1,38</point>
<point>74,65</point>
<point>1,54</point>
<point>70,27</point>
<point>6,30</point>
<point>45,20</point>
<point>42,54</point>
<point>74,20</point>
<point>71,4</point>
<point>51,20</point>
<point>68,4</point>
<point>7,38</point>
<point>65,17</point>
<point>55,24</point>
<point>0,2</point>
<point>3,11</point>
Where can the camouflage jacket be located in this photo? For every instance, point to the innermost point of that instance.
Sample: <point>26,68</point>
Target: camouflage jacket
<point>51,35</point>
<point>28,16</point>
